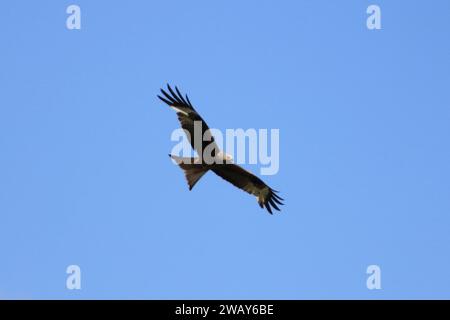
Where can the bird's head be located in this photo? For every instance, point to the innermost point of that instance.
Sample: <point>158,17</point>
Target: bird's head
<point>225,157</point>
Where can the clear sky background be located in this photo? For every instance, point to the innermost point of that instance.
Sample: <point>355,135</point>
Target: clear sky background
<point>364,119</point>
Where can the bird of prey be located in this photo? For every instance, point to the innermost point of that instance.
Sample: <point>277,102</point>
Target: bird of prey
<point>222,165</point>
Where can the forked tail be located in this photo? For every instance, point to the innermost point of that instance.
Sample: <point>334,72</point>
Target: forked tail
<point>193,170</point>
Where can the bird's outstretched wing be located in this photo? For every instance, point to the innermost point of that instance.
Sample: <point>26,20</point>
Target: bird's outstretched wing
<point>250,183</point>
<point>189,118</point>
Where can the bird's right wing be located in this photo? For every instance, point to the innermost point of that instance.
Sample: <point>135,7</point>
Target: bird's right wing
<point>189,118</point>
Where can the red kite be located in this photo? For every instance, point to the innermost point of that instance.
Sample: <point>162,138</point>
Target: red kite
<point>195,168</point>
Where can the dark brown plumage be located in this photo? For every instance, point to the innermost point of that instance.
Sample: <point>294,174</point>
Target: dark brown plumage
<point>195,168</point>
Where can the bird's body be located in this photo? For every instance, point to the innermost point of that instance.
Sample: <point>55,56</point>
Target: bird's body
<point>216,161</point>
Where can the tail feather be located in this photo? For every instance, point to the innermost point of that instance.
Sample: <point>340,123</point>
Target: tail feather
<point>193,171</point>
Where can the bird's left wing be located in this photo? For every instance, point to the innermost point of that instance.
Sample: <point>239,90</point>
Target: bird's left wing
<point>250,183</point>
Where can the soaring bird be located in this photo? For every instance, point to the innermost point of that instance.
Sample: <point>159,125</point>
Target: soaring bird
<point>221,164</point>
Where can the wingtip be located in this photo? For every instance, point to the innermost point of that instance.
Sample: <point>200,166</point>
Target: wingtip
<point>268,208</point>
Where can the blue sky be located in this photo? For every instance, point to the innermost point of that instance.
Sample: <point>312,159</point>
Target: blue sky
<point>364,149</point>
